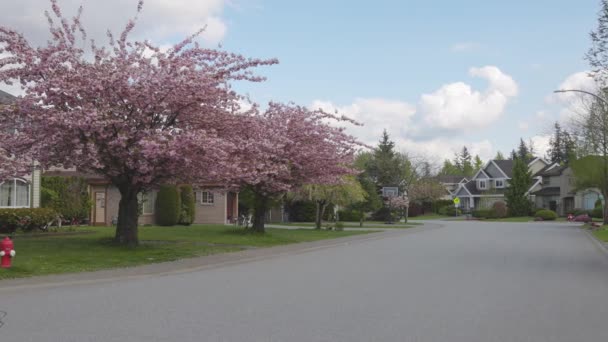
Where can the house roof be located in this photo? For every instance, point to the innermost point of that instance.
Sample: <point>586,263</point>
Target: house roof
<point>6,98</point>
<point>506,166</point>
<point>548,191</point>
<point>552,171</point>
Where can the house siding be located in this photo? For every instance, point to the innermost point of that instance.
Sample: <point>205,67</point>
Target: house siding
<point>493,171</point>
<point>211,213</point>
<point>35,188</point>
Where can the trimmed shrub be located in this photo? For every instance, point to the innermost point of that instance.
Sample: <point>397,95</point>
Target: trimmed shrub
<point>168,205</point>
<point>188,205</point>
<point>546,215</point>
<point>438,204</point>
<point>499,209</point>
<point>26,219</point>
<point>68,196</point>
<point>450,210</point>
<point>597,213</point>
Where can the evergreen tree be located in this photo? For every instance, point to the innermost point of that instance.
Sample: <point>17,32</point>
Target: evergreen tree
<point>513,155</point>
<point>562,146</point>
<point>384,166</point>
<point>517,199</point>
<point>499,156</point>
<point>478,163</point>
<point>523,151</point>
<point>449,168</point>
<point>465,162</point>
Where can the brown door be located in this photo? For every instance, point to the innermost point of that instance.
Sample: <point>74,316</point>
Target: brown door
<point>100,208</point>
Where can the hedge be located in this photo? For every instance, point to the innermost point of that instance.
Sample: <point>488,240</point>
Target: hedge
<point>26,219</point>
<point>188,205</point>
<point>349,215</point>
<point>450,210</point>
<point>168,205</point>
<point>499,210</point>
<point>547,215</point>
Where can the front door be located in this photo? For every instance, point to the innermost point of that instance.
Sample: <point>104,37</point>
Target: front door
<point>100,208</point>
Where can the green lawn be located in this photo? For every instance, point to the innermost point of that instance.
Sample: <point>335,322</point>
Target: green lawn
<point>602,234</point>
<point>50,253</point>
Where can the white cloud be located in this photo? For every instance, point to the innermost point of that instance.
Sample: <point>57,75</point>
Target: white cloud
<point>464,47</point>
<point>523,125</point>
<point>161,21</point>
<point>376,114</point>
<point>571,104</point>
<point>439,149</point>
<point>457,106</point>
<point>541,144</point>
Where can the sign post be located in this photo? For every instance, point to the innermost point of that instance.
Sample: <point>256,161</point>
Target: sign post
<point>456,203</point>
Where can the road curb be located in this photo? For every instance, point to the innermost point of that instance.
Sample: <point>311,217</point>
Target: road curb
<point>196,264</point>
<point>598,244</point>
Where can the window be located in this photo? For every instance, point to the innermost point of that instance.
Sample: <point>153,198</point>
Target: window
<point>206,197</point>
<point>481,184</point>
<point>500,183</point>
<point>15,194</point>
<point>148,202</point>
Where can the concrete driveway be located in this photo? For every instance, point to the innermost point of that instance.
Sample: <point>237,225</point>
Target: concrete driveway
<point>467,281</point>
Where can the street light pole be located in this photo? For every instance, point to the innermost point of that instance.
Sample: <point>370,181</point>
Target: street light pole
<point>583,92</point>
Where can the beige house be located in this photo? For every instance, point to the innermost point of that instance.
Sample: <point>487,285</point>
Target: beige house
<point>558,192</point>
<point>20,192</point>
<point>213,205</point>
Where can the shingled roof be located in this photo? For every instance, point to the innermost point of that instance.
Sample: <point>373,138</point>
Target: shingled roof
<point>506,166</point>
<point>6,98</point>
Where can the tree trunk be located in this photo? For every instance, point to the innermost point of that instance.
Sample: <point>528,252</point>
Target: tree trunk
<point>321,205</point>
<point>361,219</point>
<point>259,213</point>
<point>128,215</point>
<point>407,212</point>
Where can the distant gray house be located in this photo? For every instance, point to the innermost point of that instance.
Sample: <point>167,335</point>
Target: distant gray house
<point>21,192</point>
<point>558,191</point>
<point>488,185</point>
<point>451,184</point>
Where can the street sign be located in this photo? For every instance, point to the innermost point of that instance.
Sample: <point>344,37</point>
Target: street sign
<point>457,201</point>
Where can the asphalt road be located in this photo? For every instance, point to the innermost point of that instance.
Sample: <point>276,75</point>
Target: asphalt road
<point>465,282</point>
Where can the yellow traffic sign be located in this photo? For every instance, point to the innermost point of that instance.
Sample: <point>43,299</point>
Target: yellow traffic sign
<point>456,200</point>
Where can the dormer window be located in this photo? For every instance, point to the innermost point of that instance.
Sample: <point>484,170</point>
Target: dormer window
<point>482,185</point>
<point>499,183</point>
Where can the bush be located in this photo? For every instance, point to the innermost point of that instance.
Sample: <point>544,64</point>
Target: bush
<point>383,214</point>
<point>499,210</point>
<point>26,219</point>
<point>168,205</point>
<point>597,213</point>
<point>188,205</point>
<point>349,215</point>
<point>546,215</point>
<point>68,196</point>
<point>450,210</point>
<point>301,211</point>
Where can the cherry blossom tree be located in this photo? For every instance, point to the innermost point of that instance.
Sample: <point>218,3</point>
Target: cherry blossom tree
<point>286,147</point>
<point>129,111</point>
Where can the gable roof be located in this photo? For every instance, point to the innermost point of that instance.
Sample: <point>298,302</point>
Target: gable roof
<point>553,170</point>
<point>506,166</point>
<point>6,98</point>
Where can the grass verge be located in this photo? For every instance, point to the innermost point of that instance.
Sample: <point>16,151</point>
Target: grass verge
<point>93,249</point>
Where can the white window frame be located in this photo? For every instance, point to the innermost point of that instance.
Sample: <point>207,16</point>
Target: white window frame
<point>502,183</point>
<point>210,198</point>
<point>485,184</point>
<point>14,194</point>
<point>144,197</point>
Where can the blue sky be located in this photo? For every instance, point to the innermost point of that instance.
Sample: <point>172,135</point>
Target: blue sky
<point>436,74</point>
<point>341,51</point>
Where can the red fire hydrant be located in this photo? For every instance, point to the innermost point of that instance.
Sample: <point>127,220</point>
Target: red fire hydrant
<point>7,252</point>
